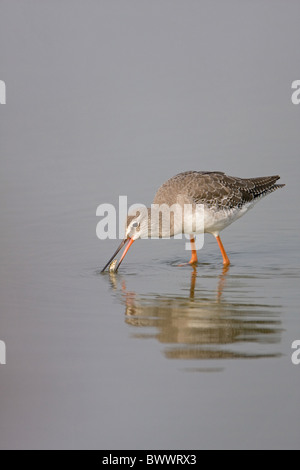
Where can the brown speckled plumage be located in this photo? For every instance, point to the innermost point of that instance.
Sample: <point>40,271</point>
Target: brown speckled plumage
<point>215,189</point>
<point>217,198</point>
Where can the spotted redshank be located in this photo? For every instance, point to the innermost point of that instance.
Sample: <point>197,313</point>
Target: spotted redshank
<point>223,198</point>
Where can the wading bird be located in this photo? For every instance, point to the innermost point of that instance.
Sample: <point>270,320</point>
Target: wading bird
<point>223,199</point>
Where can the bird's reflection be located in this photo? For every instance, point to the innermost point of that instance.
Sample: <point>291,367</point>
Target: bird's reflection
<point>196,326</point>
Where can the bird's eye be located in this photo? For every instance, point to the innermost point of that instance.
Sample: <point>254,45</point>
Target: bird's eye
<point>135,225</point>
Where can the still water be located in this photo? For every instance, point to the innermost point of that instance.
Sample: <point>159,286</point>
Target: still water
<point>155,356</point>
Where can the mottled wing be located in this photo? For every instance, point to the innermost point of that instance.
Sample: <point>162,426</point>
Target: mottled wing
<point>215,189</point>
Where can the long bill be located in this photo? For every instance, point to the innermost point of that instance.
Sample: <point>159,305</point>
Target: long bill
<point>123,243</point>
<point>131,240</point>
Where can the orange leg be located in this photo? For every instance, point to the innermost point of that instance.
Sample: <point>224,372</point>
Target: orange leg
<point>194,258</point>
<point>226,261</point>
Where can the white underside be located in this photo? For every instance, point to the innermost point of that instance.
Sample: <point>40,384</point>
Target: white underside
<point>192,220</point>
<point>211,220</point>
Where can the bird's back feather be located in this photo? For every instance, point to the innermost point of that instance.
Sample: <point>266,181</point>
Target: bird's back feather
<point>215,189</point>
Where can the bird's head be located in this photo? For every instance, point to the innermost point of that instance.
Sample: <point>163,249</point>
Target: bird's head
<point>137,226</point>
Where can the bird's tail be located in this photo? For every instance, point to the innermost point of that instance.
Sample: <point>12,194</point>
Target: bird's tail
<point>265,185</point>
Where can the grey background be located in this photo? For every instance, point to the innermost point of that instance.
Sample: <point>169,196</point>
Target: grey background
<point>113,97</point>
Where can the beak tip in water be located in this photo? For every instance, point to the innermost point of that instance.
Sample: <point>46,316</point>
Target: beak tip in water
<point>113,268</point>
<point>113,263</point>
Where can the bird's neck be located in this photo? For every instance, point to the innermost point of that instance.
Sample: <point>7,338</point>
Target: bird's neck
<point>162,222</point>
